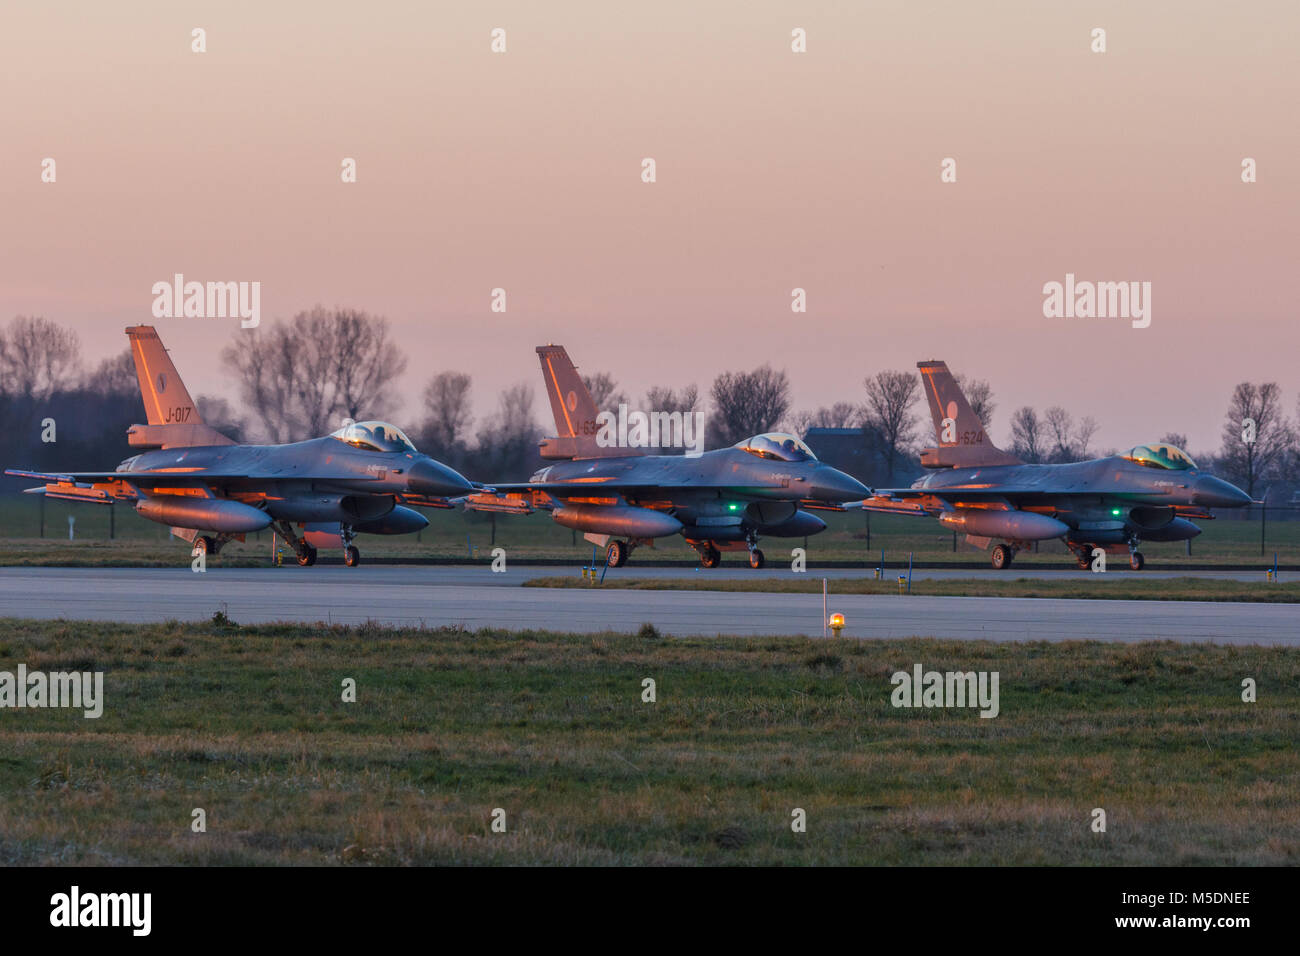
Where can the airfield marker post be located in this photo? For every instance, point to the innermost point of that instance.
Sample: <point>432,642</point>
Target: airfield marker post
<point>909,572</point>
<point>823,607</point>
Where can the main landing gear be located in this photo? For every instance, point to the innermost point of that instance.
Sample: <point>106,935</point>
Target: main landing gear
<point>710,556</point>
<point>208,545</point>
<point>1083,556</point>
<point>617,553</point>
<point>305,552</point>
<point>1002,556</point>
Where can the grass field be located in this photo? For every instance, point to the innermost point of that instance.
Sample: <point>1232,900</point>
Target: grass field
<point>458,534</point>
<point>247,723</point>
<point>1085,586</point>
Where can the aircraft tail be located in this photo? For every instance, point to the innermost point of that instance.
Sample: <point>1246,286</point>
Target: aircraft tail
<point>174,420</point>
<point>962,441</point>
<point>574,409</point>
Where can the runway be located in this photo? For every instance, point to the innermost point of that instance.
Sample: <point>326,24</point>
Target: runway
<point>474,597</point>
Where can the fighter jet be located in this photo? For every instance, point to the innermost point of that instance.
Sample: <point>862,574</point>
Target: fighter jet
<point>1147,493</point>
<point>211,490</point>
<point>621,497</point>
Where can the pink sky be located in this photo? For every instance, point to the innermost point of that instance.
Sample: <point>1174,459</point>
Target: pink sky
<point>775,170</point>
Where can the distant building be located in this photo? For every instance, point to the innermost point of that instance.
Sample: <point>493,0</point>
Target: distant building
<point>856,452</point>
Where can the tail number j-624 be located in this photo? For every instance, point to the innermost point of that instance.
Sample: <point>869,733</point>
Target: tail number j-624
<point>950,436</point>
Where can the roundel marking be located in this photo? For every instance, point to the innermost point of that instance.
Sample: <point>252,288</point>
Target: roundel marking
<point>571,400</point>
<point>162,381</point>
<point>952,410</point>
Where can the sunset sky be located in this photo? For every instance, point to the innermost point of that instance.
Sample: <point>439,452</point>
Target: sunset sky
<point>775,170</point>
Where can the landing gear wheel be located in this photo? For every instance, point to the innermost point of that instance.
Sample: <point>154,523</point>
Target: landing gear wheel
<point>1002,557</point>
<point>616,554</point>
<point>756,559</point>
<point>351,556</point>
<point>204,546</point>
<point>711,557</point>
<point>1136,560</point>
<point>308,556</point>
<point>1084,561</point>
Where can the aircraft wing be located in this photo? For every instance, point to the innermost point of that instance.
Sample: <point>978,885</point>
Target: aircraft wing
<point>150,478</point>
<point>923,501</point>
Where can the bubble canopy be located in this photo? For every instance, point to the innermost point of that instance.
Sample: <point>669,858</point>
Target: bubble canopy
<point>374,436</point>
<point>1161,455</point>
<point>777,445</point>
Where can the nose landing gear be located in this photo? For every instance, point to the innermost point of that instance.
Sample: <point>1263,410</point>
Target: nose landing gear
<point>1136,561</point>
<point>351,556</point>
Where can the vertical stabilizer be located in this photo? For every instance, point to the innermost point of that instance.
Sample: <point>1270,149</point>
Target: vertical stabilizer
<point>576,425</point>
<point>173,418</point>
<point>166,399</point>
<point>962,440</point>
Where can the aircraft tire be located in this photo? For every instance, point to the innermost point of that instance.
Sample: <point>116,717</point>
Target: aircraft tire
<point>1001,557</point>
<point>205,546</point>
<point>351,556</point>
<point>711,558</point>
<point>307,558</point>
<point>756,559</point>
<point>616,554</point>
<point>1136,561</point>
<point>1083,561</point>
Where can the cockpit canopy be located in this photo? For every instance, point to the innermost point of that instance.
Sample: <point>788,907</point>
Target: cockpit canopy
<point>1160,455</point>
<point>374,436</point>
<point>777,445</point>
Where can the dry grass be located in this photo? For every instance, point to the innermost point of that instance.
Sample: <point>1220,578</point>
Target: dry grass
<point>248,724</point>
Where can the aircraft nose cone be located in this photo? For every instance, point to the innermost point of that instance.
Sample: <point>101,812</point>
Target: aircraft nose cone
<point>1211,492</point>
<point>428,477</point>
<point>832,485</point>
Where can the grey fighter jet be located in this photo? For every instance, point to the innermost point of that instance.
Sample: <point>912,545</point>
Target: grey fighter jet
<point>620,497</point>
<point>1148,493</point>
<point>211,490</point>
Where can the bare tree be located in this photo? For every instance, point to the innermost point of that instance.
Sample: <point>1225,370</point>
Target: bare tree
<point>507,441</point>
<point>660,399</point>
<point>604,391</point>
<point>890,397</point>
<point>221,415</point>
<point>979,394</point>
<point>37,358</point>
<point>114,376</point>
<point>1084,433</point>
<point>1027,437</point>
<point>747,403</point>
<point>366,365</point>
<point>303,378</point>
<point>446,402</point>
<point>1256,436</point>
<point>838,415</point>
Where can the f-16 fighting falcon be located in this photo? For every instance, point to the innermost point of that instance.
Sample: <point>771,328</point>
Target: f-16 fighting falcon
<point>622,498</point>
<point>1145,494</point>
<point>211,490</point>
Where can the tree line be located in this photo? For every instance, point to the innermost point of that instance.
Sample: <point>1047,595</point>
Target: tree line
<point>302,378</point>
